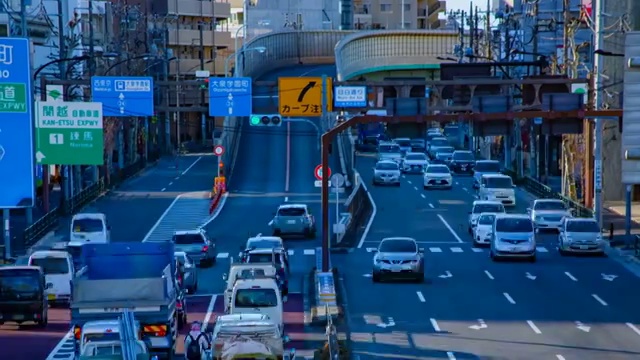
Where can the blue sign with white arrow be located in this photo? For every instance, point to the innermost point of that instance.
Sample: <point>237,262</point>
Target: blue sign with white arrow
<point>17,160</point>
<point>123,96</point>
<point>230,96</point>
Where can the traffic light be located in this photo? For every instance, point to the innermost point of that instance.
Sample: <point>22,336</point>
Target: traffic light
<point>265,120</point>
<point>205,84</point>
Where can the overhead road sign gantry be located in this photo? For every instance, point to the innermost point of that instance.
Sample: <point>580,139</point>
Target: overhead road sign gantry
<point>230,96</point>
<point>17,183</point>
<point>302,96</point>
<point>69,133</point>
<point>265,120</point>
<point>123,96</point>
<point>350,96</point>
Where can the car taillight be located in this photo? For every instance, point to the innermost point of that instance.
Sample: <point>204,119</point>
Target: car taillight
<point>76,332</point>
<point>205,248</point>
<point>179,305</point>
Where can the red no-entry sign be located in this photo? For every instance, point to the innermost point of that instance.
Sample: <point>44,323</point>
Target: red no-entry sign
<point>218,150</point>
<point>318,172</point>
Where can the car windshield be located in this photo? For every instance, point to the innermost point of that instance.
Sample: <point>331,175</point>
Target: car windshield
<point>87,225</point>
<point>413,157</point>
<point>433,135</point>
<point>549,205</point>
<point>491,208</point>
<point>22,285</point>
<point>438,170</point>
<point>486,219</point>
<point>52,265</point>
<point>583,226</point>
<point>389,148</point>
<point>291,211</point>
<point>439,142</point>
<point>462,155</point>
<point>446,149</point>
<point>252,298</point>
<point>403,142</point>
<point>514,225</point>
<point>263,258</point>
<point>386,166</point>
<point>451,130</point>
<point>398,246</point>
<point>263,244</point>
<point>101,337</point>
<point>417,142</point>
<point>443,155</point>
<point>499,183</point>
<point>486,167</point>
<point>187,239</point>
<point>371,140</point>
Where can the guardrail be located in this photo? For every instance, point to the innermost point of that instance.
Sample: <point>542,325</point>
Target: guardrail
<point>52,219</point>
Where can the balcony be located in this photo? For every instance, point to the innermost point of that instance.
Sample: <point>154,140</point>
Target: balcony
<point>435,8</point>
<point>209,9</point>
<point>188,37</point>
<point>188,67</point>
<point>422,13</point>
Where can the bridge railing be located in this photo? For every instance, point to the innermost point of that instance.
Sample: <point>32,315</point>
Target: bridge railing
<point>368,51</point>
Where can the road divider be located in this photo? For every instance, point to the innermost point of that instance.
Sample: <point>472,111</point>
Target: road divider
<point>362,210</point>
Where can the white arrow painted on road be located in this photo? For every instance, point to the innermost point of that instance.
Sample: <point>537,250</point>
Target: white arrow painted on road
<point>371,249</point>
<point>389,323</point>
<point>582,326</point>
<point>481,325</point>
<point>367,275</point>
<point>609,277</point>
<point>447,274</point>
<point>39,156</point>
<point>530,277</point>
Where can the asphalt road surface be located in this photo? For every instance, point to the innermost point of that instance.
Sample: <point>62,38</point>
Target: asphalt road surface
<point>472,308</point>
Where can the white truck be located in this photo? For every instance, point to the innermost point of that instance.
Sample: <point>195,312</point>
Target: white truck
<point>248,336</point>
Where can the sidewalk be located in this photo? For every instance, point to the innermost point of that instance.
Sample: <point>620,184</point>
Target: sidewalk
<point>614,213</point>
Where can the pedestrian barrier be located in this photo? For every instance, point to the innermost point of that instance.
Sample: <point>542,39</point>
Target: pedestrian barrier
<point>218,191</point>
<point>326,298</point>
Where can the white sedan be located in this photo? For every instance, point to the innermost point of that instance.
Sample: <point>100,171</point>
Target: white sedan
<point>437,176</point>
<point>482,230</point>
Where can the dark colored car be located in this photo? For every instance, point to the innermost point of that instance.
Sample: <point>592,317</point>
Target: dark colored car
<point>462,162</point>
<point>22,295</point>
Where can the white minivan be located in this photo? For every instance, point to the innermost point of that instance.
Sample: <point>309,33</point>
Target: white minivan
<point>89,228</point>
<point>58,273</point>
<point>259,295</point>
<point>497,187</point>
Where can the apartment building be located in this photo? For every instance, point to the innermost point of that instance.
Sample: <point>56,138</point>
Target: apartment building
<point>394,14</point>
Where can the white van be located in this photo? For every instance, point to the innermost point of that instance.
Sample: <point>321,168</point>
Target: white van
<point>89,228</point>
<point>58,273</point>
<point>497,187</point>
<point>99,331</point>
<point>244,271</point>
<point>259,295</point>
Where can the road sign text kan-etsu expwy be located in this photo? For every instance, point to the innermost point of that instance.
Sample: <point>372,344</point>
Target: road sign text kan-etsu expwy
<point>69,133</point>
<point>17,183</point>
<point>230,96</point>
<point>123,96</point>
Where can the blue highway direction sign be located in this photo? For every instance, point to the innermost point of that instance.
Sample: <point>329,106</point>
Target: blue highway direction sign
<point>123,96</point>
<point>230,96</point>
<point>17,160</point>
<point>350,96</point>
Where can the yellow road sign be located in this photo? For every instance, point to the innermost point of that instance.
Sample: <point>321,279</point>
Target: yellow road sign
<point>302,96</point>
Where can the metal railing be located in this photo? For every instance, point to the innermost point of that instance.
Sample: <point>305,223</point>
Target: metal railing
<point>541,190</point>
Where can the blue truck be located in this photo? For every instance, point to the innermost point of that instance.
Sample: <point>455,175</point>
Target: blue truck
<point>139,277</point>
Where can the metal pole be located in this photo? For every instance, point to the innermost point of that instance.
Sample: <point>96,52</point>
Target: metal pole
<point>599,122</point>
<point>203,117</point>
<point>92,63</point>
<point>245,15</point>
<point>627,213</point>
<point>337,204</point>
<point>325,185</point>
<point>45,168</point>
<point>7,233</point>
<point>402,15</point>
<point>24,29</point>
<point>178,139</point>
<point>165,69</point>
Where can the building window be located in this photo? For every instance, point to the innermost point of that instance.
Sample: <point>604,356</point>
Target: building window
<point>407,7</point>
<point>385,8</point>
<point>407,25</point>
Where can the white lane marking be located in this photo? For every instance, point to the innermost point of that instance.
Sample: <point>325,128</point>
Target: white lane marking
<point>54,355</point>
<point>286,199</point>
<point>207,317</point>
<point>431,206</point>
<point>190,166</point>
<point>570,276</point>
<point>170,183</point>
<point>163,189</point>
<point>489,274</point>
<point>457,183</point>
<point>446,224</point>
<point>634,328</point>
<point>509,298</point>
<point>409,181</point>
<point>424,197</point>
<point>309,251</point>
<point>599,299</point>
<point>270,223</point>
<point>541,249</point>
<point>373,214</point>
<point>560,357</point>
<point>477,250</point>
<point>435,325</point>
<point>416,188</point>
<point>450,355</point>
<point>403,176</point>
<point>456,249</point>
<point>164,214</point>
<point>435,249</point>
<point>533,327</point>
<point>420,296</point>
<point>290,252</point>
<point>465,189</point>
<point>287,171</point>
<point>222,255</point>
<point>177,178</point>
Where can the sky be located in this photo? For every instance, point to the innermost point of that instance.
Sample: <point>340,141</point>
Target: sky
<point>464,5</point>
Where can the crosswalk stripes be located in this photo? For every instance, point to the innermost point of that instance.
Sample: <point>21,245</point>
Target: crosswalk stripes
<point>308,252</point>
<point>183,214</point>
<point>459,249</point>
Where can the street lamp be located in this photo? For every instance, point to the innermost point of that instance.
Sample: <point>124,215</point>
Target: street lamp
<point>143,56</point>
<point>260,49</point>
<point>75,58</point>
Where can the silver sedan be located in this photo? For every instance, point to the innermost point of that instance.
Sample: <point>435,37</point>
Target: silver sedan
<point>386,172</point>
<point>398,258</point>
<point>580,235</point>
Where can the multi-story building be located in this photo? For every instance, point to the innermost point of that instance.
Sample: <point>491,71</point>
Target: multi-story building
<point>390,14</point>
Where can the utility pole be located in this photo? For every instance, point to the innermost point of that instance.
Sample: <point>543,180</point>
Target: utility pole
<point>203,117</point>
<point>24,28</point>
<point>599,122</point>
<point>534,157</point>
